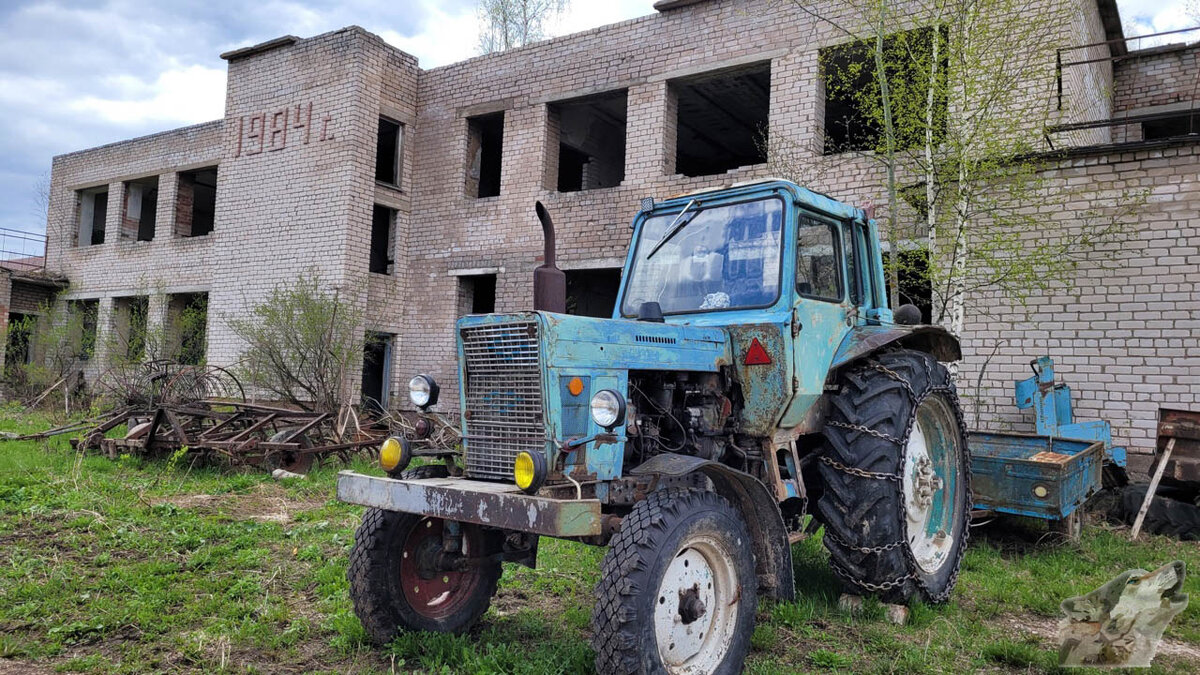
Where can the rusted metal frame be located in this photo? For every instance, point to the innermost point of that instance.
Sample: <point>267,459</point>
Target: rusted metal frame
<point>252,428</point>
<point>224,423</point>
<point>152,431</point>
<point>180,433</point>
<point>300,431</point>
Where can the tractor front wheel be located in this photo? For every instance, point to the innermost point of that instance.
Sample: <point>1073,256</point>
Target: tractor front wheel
<point>677,592</point>
<point>399,579</point>
<point>896,478</point>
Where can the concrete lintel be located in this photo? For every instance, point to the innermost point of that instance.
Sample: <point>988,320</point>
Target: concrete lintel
<point>596,264</point>
<point>474,271</point>
<point>487,108</point>
<point>261,47</point>
<point>588,92</point>
<point>719,65</point>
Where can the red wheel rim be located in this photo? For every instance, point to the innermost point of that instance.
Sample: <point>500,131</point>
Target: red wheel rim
<point>433,593</point>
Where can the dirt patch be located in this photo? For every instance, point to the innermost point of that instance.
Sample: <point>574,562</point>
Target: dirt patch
<point>8,667</point>
<point>266,504</point>
<point>1047,630</point>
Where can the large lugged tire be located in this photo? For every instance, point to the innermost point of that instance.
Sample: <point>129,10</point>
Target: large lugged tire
<point>392,592</point>
<point>677,591</point>
<point>896,474</point>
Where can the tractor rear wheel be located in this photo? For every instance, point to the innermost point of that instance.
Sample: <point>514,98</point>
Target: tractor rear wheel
<point>896,475</point>
<point>677,591</point>
<point>396,579</point>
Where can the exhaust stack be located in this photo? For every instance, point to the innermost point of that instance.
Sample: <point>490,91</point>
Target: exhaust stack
<point>549,282</point>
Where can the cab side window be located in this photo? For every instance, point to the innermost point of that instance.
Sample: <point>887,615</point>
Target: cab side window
<point>818,266</point>
<point>854,281</point>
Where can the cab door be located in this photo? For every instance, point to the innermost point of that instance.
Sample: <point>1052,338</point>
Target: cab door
<point>826,298</point>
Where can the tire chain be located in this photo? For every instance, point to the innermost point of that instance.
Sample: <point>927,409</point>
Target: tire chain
<point>902,442</point>
<point>867,585</point>
<point>863,549</point>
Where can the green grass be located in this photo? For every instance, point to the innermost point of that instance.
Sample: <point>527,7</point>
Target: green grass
<point>136,566</point>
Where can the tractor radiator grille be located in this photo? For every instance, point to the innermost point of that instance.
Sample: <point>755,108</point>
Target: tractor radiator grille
<point>504,397</point>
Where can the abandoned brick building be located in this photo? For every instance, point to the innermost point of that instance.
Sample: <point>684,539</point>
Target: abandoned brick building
<point>411,191</point>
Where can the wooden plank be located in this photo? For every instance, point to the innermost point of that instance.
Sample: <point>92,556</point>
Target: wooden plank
<point>1158,472</point>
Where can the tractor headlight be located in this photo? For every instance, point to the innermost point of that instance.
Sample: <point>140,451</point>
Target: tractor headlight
<point>422,391</point>
<point>529,471</point>
<point>394,455</point>
<point>608,408</point>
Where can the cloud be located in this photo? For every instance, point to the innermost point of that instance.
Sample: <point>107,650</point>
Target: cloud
<point>181,96</point>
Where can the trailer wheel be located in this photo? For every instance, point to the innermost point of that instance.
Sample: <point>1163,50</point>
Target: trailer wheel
<point>395,584</point>
<point>896,474</point>
<point>677,591</point>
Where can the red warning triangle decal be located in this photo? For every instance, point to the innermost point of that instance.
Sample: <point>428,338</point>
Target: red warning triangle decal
<point>756,355</point>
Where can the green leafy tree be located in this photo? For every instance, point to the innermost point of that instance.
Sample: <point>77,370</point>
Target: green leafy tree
<point>956,95</point>
<point>301,344</point>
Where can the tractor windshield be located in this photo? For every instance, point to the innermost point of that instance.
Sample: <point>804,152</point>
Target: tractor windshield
<point>724,257</point>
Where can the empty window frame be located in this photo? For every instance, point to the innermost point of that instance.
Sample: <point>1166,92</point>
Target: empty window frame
<point>196,203</point>
<point>916,284</point>
<point>721,121</point>
<point>130,327</point>
<point>17,351</point>
<point>593,292</point>
<point>93,216</point>
<point>477,294</point>
<point>485,148</point>
<point>590,142</point>
<point>187,327</point>
<point>853,106</point>
<point>388,151</point>
<point>1171,127</point>
<point>140,210</point>
<point>383,239</point>
<point>83,316</point>
<point>376,373</point>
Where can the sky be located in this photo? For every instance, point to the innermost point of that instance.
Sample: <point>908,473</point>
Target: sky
<point>75,74</point>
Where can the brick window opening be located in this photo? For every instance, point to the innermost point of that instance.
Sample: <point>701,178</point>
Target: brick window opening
<point>187,327</point>
<point>383,239</point>
<point>853,107</point>
<point>196,203</point>
<point>376,372</point>
<point>721,121</point>
<point>17,350</point>
<point>388,151</point>
<point>916,286</point>
<point>93,216</point>
<point>84,317</point>
<point>593,292</point>
<point>130,326</point>
<point>485,147</point>
<point>590,141</point>
<point>477,294</point>
<point>1171,127</point>
<point>140,210</point>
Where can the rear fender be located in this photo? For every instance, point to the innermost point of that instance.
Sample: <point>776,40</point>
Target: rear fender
<point>863,341</point>
<point>772,553</point>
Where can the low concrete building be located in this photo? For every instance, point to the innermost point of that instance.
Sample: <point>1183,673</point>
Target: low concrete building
<point>411,191</point>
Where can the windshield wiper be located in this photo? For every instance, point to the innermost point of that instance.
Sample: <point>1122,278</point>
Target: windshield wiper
<point>674,228</point>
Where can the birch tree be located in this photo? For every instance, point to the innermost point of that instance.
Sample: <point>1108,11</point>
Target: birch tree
<point>505,24</point>
<point>958,92</point>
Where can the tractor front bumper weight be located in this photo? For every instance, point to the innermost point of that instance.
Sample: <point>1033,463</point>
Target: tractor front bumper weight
<point>500,505</point>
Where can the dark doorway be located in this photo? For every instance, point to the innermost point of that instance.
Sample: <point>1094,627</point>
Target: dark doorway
<point>20,332</point>
<point>377,357</point>
<point>593,292</point>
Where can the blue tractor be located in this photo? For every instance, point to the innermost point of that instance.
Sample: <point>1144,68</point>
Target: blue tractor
<point>751,374</point>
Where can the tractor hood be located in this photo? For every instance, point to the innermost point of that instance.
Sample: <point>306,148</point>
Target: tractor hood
<point>621,344</point>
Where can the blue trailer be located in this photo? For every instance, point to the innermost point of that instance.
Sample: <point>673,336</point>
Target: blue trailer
<point>1050,474</point>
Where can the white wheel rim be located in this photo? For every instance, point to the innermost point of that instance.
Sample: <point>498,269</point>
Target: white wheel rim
<point>691,637</point>
<point>931,464</point>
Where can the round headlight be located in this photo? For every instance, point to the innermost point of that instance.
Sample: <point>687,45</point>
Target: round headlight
<point>608,408</point>
<point>394,455</point>
<point>529,471</point>
<point>422,391</point>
